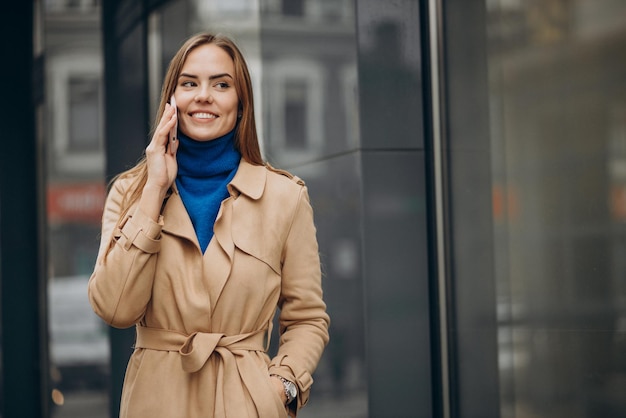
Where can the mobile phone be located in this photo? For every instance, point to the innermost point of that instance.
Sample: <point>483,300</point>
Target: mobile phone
<point>174,130</point>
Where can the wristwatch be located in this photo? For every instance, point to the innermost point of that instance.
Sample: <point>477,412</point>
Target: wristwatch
<point>290,389</point>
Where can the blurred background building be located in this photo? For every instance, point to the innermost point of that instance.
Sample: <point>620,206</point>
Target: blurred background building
<point>466,162</point>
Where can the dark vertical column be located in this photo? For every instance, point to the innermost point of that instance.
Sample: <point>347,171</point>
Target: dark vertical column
<point>126,129</point>
<point>395,233</point>
<point>473,328</point>
<point>22,291</point>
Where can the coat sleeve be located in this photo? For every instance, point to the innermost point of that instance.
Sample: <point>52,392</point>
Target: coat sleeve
<point>121,283</point>
<point>303,319</point>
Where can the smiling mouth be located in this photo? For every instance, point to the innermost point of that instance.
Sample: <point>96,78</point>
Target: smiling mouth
<point>203,115</point>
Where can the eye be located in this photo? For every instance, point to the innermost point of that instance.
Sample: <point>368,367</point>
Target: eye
<point>222,85</point>
<point>188,84</point>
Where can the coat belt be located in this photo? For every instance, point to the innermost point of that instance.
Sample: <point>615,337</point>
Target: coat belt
<point>195,349</point>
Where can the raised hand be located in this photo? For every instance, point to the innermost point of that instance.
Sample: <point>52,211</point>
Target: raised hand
<point>161,163</point>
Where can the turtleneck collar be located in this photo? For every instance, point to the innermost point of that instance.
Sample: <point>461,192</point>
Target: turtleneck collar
<point>204,170</point>
<point>206,158</point>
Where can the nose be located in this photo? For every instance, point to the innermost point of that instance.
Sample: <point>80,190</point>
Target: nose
<point>204,95</point>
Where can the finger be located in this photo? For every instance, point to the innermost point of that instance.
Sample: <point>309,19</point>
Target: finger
<point>167,122</point>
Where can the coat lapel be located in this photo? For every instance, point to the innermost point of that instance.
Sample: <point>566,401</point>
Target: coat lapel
<point>253,229</point>
<point>249,181</point>
<point>176,221</point>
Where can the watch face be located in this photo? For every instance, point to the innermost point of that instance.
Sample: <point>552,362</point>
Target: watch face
<point>293,392</point>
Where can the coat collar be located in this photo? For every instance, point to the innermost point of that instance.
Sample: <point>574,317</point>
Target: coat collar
<point>249,180</point>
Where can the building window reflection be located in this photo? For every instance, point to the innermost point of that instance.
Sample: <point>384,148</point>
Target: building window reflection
<point>295,115</point>
<point>84,113</point>
<point>311,10</point>
<point>75,98</point>
<point>71,5</point>
<point>295,107</point>
<point>293,7</point>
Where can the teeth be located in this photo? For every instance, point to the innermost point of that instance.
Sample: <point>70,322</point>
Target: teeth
<point>204,115</point>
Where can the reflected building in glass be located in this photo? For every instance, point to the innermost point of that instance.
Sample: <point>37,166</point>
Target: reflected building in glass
<point>73,133</point>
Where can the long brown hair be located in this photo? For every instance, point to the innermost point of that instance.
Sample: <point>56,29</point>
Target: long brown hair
<point>246,139</point>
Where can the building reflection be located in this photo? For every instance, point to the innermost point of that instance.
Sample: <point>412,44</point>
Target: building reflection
<point>75,190</point>
<point>558,145</point>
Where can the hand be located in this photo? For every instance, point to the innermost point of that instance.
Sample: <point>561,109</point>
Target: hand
<point>161,164</point>
<point>280,388</point>
<point>161,154</point>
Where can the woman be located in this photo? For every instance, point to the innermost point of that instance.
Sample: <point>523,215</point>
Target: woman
<point>201,242</point>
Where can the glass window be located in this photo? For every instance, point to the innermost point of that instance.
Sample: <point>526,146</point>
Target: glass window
<point>74,103</point>
<point>75,189</point>
<point>295,115</point>
<point>293,7</point>
<point>551,242</point>
<point>84,113</point>
<point>295,109</point>
<point>72,6</point>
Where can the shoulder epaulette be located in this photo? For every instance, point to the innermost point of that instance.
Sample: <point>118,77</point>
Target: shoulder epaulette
<point>285,173</point>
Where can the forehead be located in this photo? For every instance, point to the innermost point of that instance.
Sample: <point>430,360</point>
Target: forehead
<point>208,58</point>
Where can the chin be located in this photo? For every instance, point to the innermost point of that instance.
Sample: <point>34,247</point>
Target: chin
<point>203,137</point>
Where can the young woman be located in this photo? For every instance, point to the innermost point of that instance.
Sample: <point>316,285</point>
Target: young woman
<point>201,243</point>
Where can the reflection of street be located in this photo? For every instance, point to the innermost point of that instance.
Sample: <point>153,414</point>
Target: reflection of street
<point>83,404</point>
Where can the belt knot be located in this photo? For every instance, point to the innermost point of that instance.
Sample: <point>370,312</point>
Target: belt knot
<point>196,349</point>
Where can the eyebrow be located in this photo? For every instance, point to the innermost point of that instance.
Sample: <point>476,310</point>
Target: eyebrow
<point>211,77</point>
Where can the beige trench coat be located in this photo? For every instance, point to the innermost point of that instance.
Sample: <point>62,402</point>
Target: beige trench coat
<point>203,321</point>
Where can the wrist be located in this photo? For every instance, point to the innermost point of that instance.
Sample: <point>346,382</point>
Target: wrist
<point>290,388</point>
<point>151,201</point>
<point>155,191</point>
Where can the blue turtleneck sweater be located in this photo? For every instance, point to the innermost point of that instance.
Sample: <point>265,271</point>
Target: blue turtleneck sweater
<point>204,170</point>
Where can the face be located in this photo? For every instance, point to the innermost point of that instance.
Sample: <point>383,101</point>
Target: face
<point>205,94</point>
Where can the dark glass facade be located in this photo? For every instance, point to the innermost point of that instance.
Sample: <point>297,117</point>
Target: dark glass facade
<point>536,156</point>
<point>466,162</point>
